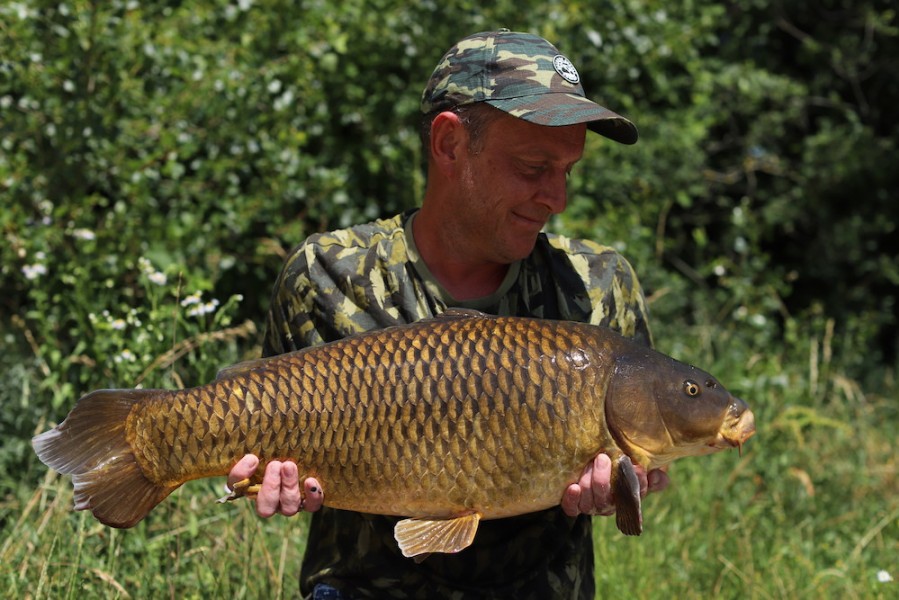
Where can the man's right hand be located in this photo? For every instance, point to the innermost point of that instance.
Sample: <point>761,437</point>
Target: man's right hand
<point>280,489</point>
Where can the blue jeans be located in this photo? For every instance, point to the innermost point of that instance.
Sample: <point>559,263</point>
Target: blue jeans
<point>323,591</point>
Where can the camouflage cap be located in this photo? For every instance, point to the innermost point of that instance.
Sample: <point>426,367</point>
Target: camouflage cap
<point>523,75</point>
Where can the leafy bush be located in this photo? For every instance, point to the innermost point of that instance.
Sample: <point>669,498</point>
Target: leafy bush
<point>212,137</point>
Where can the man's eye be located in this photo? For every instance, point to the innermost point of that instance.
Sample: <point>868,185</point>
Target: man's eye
<point>531,168</point>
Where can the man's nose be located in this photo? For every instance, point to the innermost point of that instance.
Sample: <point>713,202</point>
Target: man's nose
<point>554,191</point>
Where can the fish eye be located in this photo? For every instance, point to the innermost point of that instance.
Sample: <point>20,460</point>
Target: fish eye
<point>692,388</point>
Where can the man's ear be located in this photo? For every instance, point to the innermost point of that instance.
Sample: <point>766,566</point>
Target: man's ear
<point>449,139</point>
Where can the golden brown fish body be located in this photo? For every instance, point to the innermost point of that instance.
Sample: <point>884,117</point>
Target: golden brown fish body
<point>448,420</point>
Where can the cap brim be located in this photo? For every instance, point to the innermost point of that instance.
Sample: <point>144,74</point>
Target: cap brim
<point>558,109</point>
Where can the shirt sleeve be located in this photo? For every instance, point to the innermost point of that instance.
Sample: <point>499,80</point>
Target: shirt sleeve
<point>342,283</point>
<point>614,293</point>
<point>625,303</point>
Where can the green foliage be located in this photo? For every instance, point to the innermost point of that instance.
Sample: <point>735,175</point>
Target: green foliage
<point>765,176</point>
<point>158,160</point>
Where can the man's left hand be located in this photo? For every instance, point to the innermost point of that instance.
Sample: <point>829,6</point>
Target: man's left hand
<point>592,494</point>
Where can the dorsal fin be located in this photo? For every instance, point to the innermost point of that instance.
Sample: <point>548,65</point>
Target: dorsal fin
<point>455,313</point>
<point>241,368</point>
<point>452,313</point>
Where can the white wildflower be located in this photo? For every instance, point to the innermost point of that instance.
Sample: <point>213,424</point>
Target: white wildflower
<point>125,355</point>
<point>22,11</point>
<point>194,298</point>
<point>758,320</point>
<point>884,576</point>
<point>285,100</point>
<point>84,234</point>
<point>117,324</point>
<point>32,272</point>
<point>147,268</point>
<point>203,309</point>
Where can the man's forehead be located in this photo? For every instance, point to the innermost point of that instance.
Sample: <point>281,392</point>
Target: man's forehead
<point>556,143</point>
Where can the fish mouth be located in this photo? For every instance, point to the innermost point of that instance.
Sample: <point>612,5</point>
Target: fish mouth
<point>736,433</point>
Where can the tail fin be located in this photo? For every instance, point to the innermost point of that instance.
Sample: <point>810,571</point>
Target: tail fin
<point>91,446</point>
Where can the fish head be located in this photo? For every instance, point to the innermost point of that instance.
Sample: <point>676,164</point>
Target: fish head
<point>661,409</point>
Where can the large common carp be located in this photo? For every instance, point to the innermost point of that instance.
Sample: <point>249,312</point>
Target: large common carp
<point>446,421</point>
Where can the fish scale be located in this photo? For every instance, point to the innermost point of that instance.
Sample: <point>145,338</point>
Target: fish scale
<point>445,422</point>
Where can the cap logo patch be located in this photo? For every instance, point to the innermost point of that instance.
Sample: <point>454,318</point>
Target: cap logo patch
<point>564,68</point>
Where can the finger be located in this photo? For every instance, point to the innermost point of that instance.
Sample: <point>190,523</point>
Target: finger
<point>570,500</point>
<point>314,495</point>
<point>601,486</point>
<point>658,480</point>
<point>244,469</point>
<point>585,500</point>
<point>290,497</point>
<point>269,498</point>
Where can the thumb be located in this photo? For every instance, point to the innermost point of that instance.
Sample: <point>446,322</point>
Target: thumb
<point>244,469</point>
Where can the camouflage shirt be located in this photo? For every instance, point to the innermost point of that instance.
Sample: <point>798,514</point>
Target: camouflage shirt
<point>370,276</point>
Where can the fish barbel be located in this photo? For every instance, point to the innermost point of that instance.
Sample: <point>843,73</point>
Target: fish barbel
<point>445,421</point>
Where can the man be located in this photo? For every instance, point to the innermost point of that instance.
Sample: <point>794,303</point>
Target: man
<point>505,122</point>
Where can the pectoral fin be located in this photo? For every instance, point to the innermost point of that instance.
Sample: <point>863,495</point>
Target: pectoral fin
<point>424,536</point>
<point>626,490</point>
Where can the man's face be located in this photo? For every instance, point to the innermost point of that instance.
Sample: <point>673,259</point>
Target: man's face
<point>514,181</point>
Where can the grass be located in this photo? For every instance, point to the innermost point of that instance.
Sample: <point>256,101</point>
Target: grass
<point>810,510</point>
<point>190,547</point>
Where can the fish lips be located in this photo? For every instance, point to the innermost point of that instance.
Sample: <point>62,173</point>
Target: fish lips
<point>740,429</point>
